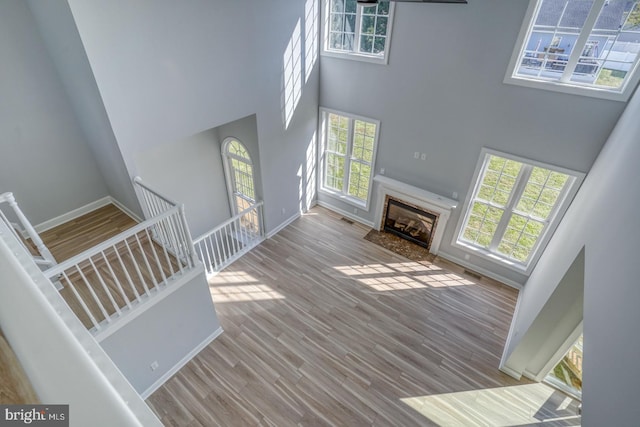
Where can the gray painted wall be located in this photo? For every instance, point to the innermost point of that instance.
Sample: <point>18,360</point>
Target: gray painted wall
<point>189,171</point>
<point>55,22</point>
<point>602,219</point>
<point>45,159</point>
<point>166,333</point>
<point>442,94</point>
<point>167,70</point>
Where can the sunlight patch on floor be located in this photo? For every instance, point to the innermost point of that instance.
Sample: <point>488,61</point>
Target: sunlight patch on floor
<point>403,276</point>
<point>505,406</point>
<point>238,286</point>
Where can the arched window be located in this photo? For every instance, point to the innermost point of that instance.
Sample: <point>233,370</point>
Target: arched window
<point>238,170</point>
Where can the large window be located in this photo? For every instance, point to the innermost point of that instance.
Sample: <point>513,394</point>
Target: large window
<point>513,207</point>
<point>588,47</point>
<point>347,155</point>
<point>357,31</point>
<point>239,175</point>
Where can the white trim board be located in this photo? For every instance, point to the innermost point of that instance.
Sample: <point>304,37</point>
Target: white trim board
<point>481,270</point>
<point>171,372</point>
<point>345,213</point>
<point>283,225</point>
<point>83,210</point>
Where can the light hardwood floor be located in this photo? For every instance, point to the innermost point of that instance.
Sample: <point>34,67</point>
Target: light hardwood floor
<point>325,328</point>
<point>15,387</point>
<point>82,233</point>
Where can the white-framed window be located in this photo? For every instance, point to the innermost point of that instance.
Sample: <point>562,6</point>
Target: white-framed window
<point>584,47</point>
<point>513,207</point>
<point>238,170</point>
<point>357,31</point>
<point>347,156</point>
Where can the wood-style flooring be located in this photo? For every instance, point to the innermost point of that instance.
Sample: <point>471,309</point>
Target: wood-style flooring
<point>15,387</point>
<point>86,231</point>
<point>323,328</point>
<point>123,264</point>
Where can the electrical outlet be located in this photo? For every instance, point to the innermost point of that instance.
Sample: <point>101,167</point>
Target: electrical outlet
<point>154,365</point>
<point>455,195</point>
<point>284,211</point>
<point>382,171</point>
<point>416,155</point>
<point>423,156</point>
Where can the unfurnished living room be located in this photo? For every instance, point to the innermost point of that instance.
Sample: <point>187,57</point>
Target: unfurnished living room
<point>319,212</point>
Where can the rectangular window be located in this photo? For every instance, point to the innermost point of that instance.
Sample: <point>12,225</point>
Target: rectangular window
<point>357,31</point>
<point>347,155</point>
<point>588,47</point>
<point>513,207</point>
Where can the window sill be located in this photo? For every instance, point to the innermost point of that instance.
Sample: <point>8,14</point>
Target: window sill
<point>556,86</point>
<point>346,199</point>
<point>490,256</point>
<point>356,56</point>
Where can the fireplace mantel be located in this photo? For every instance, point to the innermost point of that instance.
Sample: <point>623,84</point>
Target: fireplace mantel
<point>416,196</point>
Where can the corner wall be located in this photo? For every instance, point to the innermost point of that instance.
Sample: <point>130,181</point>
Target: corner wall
<point>45,160</point>
<point>603,219</point>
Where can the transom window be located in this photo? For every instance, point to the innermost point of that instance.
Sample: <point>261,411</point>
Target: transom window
<point>588,47</point>
<point>359,31</point>
<point>513,207</point>
<point>347,155</point>
<point>239,175</point>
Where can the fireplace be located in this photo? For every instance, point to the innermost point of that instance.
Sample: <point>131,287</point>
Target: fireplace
<point>410,222</point>
<point>403,203</point>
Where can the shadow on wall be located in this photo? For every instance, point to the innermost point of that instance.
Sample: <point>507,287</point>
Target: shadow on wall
<point>307,173</point>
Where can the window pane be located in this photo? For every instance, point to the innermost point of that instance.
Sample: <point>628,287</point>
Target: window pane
<point>359,180</point>
<point>363,141</point>
<point>334,176</point>
<point>481,224</point>
<point>366,44</point>
<point>381,26</point>
<point>520,238</point>
<point>368,24</point>
<point>541,193</point>
<point>612,47</point>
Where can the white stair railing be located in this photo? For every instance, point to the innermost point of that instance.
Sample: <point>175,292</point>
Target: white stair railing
<point>230,240</point>
<point>113,277</point>
<point>45,259</point>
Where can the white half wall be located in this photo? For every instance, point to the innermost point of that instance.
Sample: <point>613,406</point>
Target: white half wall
<point>169,333</point>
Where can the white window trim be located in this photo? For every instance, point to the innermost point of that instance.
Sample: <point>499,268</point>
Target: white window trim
<point>355,55</point>
<point>232,189</point>
<point>343,195</point>
<point>557,86</point>
<point>553,220</point>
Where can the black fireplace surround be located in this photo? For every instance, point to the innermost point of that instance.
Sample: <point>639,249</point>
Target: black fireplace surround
<point>409,222</point>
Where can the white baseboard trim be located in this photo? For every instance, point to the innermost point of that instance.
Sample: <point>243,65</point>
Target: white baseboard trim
<point>160,381</point>
<point>510,372</point>
<point>83,210</point>
<point>345,214</point>
<point>71,215</point>
<point>480,270</point>
<point>126,210</point>
<point>283,225</point>
<point>531,376</point>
